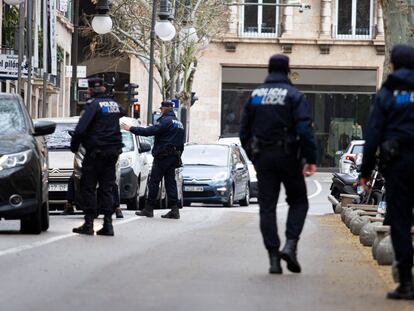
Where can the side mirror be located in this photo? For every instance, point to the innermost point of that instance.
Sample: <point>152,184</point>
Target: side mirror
<point>339,153</point>
<point>42,128</point>
<point>144,147</point>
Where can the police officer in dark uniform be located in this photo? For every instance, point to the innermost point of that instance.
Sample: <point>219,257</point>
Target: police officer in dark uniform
<point>276,132</point>
<point>390,127</point>
<point>168,146</point>
<point>99,132</point>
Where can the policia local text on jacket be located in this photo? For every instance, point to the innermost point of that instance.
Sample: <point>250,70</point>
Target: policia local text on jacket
<point>390,126</point>
<point>99,133</point>
<point>276,122</point>
<point>167,149</point>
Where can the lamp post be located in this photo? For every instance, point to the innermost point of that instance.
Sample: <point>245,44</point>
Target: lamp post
<point>166,32</point>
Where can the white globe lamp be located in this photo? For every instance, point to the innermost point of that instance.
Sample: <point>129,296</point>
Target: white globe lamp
<point>165,30</point>
<point>14,2</point>
<point>102,24</point>
<point>189,34</point>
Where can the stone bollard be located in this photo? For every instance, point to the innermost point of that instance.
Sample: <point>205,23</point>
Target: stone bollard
<point>385,252</point>
<point>352,215</point>
<point>347,199</point>
<point>357,223</point>
<point>368,234</point>
<point>381,232</point>
<point>338,208</point>
<point>344,211</point>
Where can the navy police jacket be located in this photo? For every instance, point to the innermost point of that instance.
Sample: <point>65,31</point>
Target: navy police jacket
<point>98,127</point>
<point>169,132</point>
<point>277,110</point>
<point>391,116</point>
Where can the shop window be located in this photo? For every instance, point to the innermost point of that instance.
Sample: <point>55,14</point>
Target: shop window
<point>259,18</point>
<point>354,19</point>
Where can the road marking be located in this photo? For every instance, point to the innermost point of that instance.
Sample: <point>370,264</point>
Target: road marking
<point>21,248</point>
<point>318,190</point>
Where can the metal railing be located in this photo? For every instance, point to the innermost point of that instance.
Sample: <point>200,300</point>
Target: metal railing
<point>362,33</point>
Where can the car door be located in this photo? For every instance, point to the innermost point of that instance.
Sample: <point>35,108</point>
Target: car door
<point>144,167</point>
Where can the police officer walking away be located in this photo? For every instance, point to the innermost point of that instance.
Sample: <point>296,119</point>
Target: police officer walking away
<point>168,146</point>
<point>276,132</point>
<point>390,127</point>
<point>99,132</point>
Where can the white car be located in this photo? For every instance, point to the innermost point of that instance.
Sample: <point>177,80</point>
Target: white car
<point>355,149</point>
<point>135,167</point>
<point>252,171</point>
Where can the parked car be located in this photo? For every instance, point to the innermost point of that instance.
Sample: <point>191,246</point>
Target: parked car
<point>23,166</point>
<point>252,171</point>
<point>215,173</point>
<point>134,166</point>
<point>60,160</point>
<point>354,149</point>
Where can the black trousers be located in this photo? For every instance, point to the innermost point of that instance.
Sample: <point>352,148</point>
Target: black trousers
<point>99,168</point>
<point>399,179</point>
<point>274,168</point>
<point>164,167</point>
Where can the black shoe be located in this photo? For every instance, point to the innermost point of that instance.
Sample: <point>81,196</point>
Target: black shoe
<point>404,291</point>
<point>173,214</point>
<point>275,267</point>
<point>107,228</point>
<point>87,227</point>
<point>288,254</point>
<point>118,213</point>
<point>68,210</point>
<point>147,212</point>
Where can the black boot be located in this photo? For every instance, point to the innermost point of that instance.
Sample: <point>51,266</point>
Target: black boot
<point>173,214</point>
<point>148,211</point>
<point>406,289</point>
<point>275,267</point>
<point>87,227</point>
<point>288,254</point>
<point>118,213</point>
<point>107,228</point>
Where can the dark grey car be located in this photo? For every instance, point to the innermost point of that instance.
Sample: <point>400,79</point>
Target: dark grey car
<point>215,173</point>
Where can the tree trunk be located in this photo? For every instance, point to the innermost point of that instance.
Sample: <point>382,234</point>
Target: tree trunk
<point>398,26</point>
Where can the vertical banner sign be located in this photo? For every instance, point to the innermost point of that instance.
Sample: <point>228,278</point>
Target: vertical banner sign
<point>53,41</point>
<point>37,15</point>
<point>63,6</point>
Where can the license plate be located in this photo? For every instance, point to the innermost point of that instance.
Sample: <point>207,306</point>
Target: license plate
<point>58,187</point>
<point>193,189</point>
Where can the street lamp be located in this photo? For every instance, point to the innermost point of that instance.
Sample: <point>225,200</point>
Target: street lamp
<point>14,2</point>
<point>102,22</point>
<point>166,32</point>
<point>189,33</point>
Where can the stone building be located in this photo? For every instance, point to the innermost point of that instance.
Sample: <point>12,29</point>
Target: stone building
<point>336,50</point>
<point>58,87</point>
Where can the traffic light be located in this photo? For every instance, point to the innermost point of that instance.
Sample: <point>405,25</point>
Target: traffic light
<point>133,102</point>
<point>136,111</point>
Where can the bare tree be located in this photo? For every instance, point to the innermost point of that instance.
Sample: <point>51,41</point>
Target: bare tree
<point>398,26</point>
<point>175,61</point>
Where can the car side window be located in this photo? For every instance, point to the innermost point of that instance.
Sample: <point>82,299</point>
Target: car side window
<point>236,156</point>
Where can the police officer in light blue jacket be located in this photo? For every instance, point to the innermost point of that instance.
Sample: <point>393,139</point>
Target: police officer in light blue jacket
<point>276,132</point>
<point>168,146</point>
<point>390,127</point>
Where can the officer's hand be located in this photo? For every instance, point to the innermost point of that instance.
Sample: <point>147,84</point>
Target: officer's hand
<point>364,183</point>
<point>309,170</point>
<point>125,126</point>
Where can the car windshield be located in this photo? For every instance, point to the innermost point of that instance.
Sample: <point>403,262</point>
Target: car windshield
<point>60,139</point>
<point>214,155</point>
<point>11,116</point>
<point>358,149</point>
<point>128,141</point>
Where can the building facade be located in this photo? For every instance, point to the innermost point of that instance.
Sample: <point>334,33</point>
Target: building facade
<point>57,101</point>
<point>336,51</point>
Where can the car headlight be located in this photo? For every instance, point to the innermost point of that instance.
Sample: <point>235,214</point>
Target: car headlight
<point>222,176</point>
<point>15,159</point>
<point>125,162</point>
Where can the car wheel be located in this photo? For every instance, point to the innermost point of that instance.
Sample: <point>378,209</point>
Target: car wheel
<point>32,224</point>
<point>246,200</point>
<point>230,199</point>
<point>45,216</point>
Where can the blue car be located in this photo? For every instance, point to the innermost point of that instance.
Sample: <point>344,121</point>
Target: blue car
<point>215,173</point>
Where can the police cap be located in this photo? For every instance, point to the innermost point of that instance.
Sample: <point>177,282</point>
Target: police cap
<point>402,56</point>
<point>167,104</point>
<point>95,82</point>
<point>279,63</point>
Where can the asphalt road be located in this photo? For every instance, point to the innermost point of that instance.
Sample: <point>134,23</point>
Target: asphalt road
<point>210,259</point>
